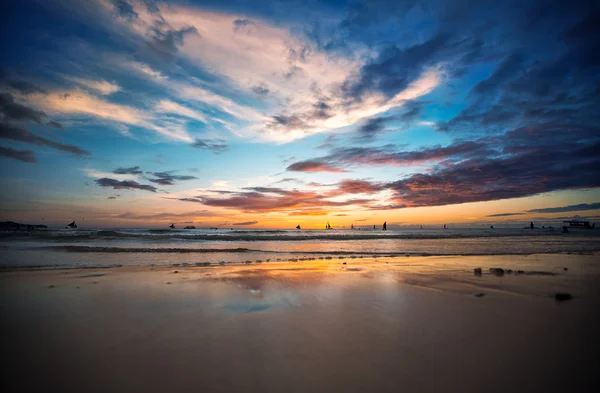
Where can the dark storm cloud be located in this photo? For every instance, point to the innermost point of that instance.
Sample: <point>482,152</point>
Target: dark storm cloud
<point>124,185</point>
<point>570,208</point>
<point>245,223</point>
<point>215,145</point>
<point>134,170</point>
<point>20,155</point>
<point>18,133</point>
<point>168,179</point>
<point>11,110</point>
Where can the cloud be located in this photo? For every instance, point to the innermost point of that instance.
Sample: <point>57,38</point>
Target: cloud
<point>25,87</point>
<point>111,197</point>
<point>165,42</point>
<point>531,172</point>
<point>570,208</point>
<point>147,71</point>
<point>167,106</point>
<point>124,184</point>
<point>11,110</point>
<point>124,9</point>
<point>100,86</point>
<point>266,199</point>
<point>313,166</point>
<point>55,124</point>
<point>336,112</point>
<point>340,158</point>
<point>77,102</point>
<point>18,133</point>
<point>299,82</point>
<point>349,186</point>
<point>396,68</point>
<point>371,128</point>
<point>164,216</point>
<point>216,145</point>
<point>505,214</point>
<point>134,170</point>
<point>20,155</point>
<point>168,179</point>
<point>194,200</point>
<point>245,223</point>
<point>261,90</point>
<point>309,212</point>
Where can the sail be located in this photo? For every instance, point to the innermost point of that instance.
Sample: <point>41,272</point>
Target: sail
<point>72,225</point>
<point>172,226</point>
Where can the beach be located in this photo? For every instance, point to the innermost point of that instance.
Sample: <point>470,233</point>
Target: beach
<point>349,324</point>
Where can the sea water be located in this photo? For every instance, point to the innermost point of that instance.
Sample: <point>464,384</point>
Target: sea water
<point>144,246</point>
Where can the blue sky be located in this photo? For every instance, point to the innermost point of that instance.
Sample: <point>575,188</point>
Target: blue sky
<point>142,113</point>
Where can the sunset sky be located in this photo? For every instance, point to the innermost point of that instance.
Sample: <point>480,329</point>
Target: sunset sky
<point>262,114</point>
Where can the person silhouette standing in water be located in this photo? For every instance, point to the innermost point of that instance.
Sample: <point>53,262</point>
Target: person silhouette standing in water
<point>385,226</point>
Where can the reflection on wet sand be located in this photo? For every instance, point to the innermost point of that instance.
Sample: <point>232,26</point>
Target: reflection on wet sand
<point>321,326</point>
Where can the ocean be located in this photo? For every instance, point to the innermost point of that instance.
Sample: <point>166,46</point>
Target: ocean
<point>66,248</point>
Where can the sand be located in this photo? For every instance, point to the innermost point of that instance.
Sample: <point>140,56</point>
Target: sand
<point>418,324</point>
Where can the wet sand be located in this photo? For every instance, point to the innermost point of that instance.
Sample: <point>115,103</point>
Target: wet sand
<point>418,324</point>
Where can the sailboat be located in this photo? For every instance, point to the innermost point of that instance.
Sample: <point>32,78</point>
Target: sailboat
<point>327,226</point>
<point>352,226</point>
<point>298,227</point>
<point>72,225</point>
<point>172,226</point>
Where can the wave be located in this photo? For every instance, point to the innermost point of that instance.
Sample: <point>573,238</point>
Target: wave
<point>277,236</point>
<point>143,249</point>
<point>322,254</point>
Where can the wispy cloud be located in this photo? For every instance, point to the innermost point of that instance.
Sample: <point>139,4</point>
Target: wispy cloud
<point>18,133</point>
<point>124,184</point>
<point>569,208</point>
<point>77,102</point>
<point>215,145</point>
<point>168,178</point>
<point>20,155</point>
<point>245,223</point>
<point>100,85</point>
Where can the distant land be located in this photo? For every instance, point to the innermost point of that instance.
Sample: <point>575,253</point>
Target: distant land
<point>15,225</point>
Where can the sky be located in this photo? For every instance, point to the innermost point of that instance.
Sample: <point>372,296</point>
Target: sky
<point>271,114</point>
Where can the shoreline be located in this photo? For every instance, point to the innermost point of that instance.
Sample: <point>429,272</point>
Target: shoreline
<point>329,258</point>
